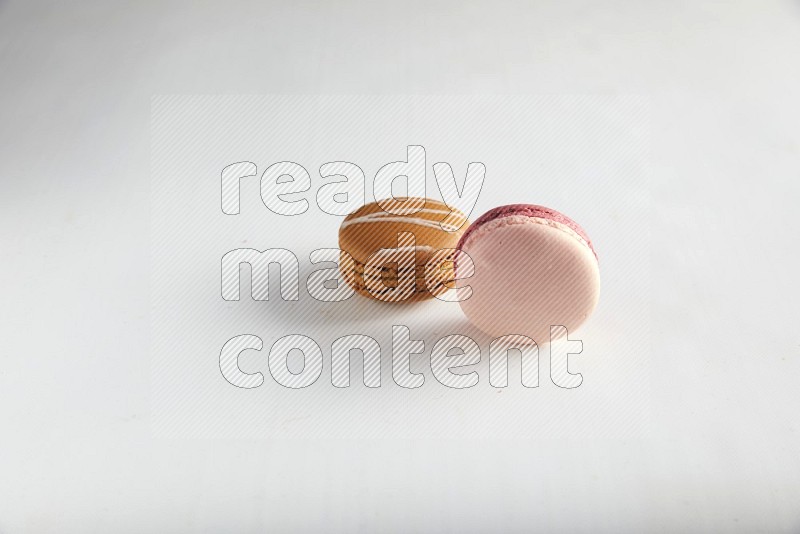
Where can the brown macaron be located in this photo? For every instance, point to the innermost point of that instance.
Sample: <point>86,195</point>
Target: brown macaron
<point>405,254</point>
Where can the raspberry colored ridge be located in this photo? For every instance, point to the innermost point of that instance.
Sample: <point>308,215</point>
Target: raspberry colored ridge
<point>529,210</point>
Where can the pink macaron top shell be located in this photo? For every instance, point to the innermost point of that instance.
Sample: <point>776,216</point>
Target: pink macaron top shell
<point>530,210</point>
<point>532,269</point>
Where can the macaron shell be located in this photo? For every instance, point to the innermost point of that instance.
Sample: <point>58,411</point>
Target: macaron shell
<point>369,229</point>
<point>530,273</point>
<point>428,283</point>
<point>421,293</point>
<point>531,210</point>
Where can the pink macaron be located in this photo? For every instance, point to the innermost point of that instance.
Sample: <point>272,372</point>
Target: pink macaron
<point>533,268</point>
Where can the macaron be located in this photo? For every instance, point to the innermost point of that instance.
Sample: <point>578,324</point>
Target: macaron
<point>533,268</point>
<point>402,255</point>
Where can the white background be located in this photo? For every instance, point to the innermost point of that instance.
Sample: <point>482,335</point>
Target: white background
<point>77,451</point>
<point>586,155</point>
